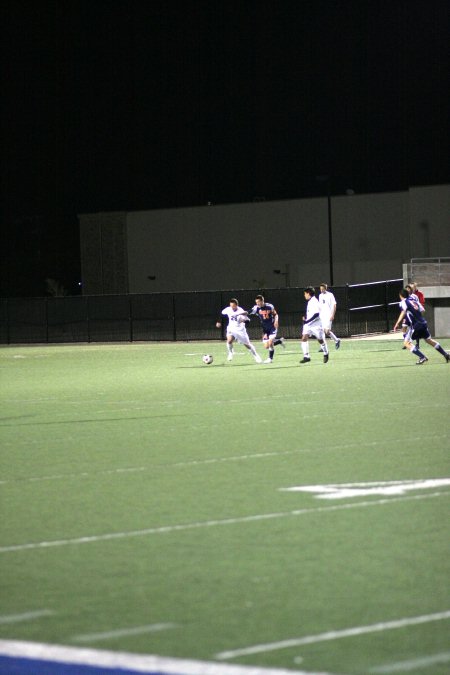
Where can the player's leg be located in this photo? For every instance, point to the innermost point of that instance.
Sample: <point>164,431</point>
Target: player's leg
<point>337,341</point>
<point>305,348</point>
<point>414,350</point>
<point>279,341</point>
<point>438,348</point>
<point>230,349</point>
<point>245,340</point>
<point>405,330</point>
<point>326,333</point>
<point>271,348</point>
<point>320,334</point>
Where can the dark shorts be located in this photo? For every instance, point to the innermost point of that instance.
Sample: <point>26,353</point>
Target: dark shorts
<point>420,332</point>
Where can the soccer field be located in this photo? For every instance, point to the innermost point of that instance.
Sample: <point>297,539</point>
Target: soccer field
<point>283,516</point>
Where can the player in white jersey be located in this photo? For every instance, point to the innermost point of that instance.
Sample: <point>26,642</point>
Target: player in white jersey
<point>327,303</point>
<point>236,329</point>
<point>312,325</point>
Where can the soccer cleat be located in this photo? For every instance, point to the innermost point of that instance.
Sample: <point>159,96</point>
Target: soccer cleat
<point>305,359</point>
<point>268,360</point>
<point>230,356</point>
<point>404,347</point>
<point>282,341</point>
<point>258,359</point>
<point>423,359</point>
<point>447,357</point>
<point>325,358</point>
<point>337,344</point>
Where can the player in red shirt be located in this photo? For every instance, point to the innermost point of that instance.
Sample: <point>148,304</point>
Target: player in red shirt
<point>419,294</point>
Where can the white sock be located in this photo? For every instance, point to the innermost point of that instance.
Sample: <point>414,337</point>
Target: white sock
<point>305,348</point>
<point>333,336</point>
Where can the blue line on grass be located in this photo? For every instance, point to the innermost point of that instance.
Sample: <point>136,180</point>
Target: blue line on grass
<point>18,666</point>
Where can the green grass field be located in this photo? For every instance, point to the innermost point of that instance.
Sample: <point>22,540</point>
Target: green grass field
<point>144,504</point>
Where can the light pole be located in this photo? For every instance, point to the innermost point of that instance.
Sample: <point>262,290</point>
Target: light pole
<point>326,179</point>
<point>330,234</point>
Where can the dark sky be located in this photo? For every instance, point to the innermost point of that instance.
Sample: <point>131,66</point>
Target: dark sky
<point>124,105</point>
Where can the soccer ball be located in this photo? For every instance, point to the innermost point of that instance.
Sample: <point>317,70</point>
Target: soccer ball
<point>207,358</point>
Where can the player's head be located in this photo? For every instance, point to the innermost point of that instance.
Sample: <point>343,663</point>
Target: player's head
<point>404,293</point>
<point>309,292</point>
<point>234,303</point>
<point>323,287</point>
<point>413,286</point>
<point>259,300</point>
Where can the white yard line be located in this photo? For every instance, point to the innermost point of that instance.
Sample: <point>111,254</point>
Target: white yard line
<point>334,635</point>
<point>412,664</point>
<point>124,632</point>
<point>25,616</point>
<point>140,663</point>
<point>90,539</point>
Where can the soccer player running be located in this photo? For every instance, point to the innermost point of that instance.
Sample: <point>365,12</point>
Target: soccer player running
<point>268,316</point>
<point>236,330</point>
<point>406,321</point>
<point>327,303</point>
<point>412,308</point>
<point>312,325</point>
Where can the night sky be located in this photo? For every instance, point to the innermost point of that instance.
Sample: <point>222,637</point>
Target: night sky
<point>113,105</point>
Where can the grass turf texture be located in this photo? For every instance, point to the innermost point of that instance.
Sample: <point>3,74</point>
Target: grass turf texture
<point>119,439</point>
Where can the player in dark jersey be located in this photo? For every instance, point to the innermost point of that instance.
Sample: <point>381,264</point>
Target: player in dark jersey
<point>413,310</point>
<point>268,316</point>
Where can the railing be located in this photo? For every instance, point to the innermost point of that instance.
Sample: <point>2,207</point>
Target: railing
<point>361,309</point>
<point>429,271</point>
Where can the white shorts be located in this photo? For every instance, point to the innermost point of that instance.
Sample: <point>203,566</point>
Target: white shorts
<point>239,332</point>
<point>313,331</point>
<point>326,322</point>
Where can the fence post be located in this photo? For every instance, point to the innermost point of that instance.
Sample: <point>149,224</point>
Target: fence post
<point>130,317</point>
<point>386,306</point>
<point>347,297</point>
<point>8,332</point>
<point>88,319</point>
<point>46,320</point>
<point>174,319</point>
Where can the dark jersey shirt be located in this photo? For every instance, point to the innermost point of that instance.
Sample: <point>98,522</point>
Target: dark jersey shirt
<point>266,315</point>
<point>413,312</point>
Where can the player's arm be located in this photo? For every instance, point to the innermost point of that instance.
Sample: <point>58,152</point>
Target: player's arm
<point>333,311</point>
<point>400,319</point>
<point>314,316</point>
<point>275,318</point>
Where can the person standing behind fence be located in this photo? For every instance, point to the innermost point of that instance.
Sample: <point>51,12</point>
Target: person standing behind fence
<point>327,303</point>
<point>419,294</point>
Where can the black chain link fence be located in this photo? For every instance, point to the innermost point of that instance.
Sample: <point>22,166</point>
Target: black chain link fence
<point>361,309</point>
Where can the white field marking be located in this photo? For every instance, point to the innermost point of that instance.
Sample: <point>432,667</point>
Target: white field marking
<point>334,635</point>
<point>140,663</point>
<point>413,664</point>
<point>90,539</point>
<point>25,616</point>
<point>124,632</point>
<point>211,460</point>
<point>391,487</point>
